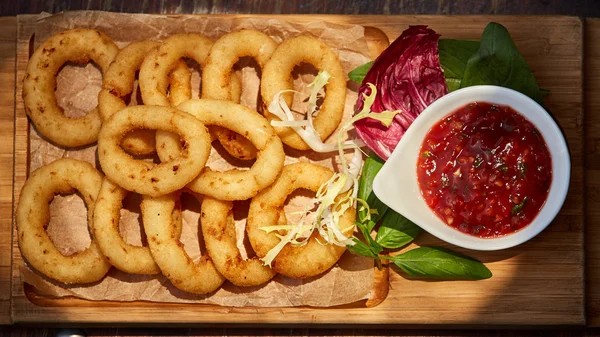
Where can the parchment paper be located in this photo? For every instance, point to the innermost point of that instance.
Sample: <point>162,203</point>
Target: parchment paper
<point>349,281</point>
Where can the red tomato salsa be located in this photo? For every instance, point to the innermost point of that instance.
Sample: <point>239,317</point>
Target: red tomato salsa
<point>485,170</point>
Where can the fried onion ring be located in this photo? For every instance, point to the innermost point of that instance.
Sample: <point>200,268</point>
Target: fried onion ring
<point>218,230</point>
<point>62,176</point>
<point>199,278</point>
<point>276,76</point>
<point>125,257</point>
<point>147,178</point>
<point>155,69</point>
<point>79,46</point>
<point>118,84</point>
<point>217,74</point>
<point>266,209</point>
<point>233,184</point>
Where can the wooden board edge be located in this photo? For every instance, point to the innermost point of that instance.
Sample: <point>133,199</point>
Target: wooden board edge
<point>21,145</point>
<point>8,52</point>
<point>377,42</point>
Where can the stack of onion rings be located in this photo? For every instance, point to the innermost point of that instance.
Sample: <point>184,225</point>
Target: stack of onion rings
<point>217,74</point>
<point>62,176</point>
<point>79,46</point>
<point>153,77</point>
<point>118,84</point>
<point>232,184</point>
<point>182,142</point>
<point>276,77</point>
<point>266,209</point>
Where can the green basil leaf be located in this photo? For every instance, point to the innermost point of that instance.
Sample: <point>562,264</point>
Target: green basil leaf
<point>375,247</point>
<point>454,55</point>
<point>375,203</point>
<point>358,74</point>
<point>360,248</point>
<point>370,169</point>
<point>440,263</point>
<point>361,226</point>
<point>370,225</point>
<point>396,231</point>
<point>365,230</point>
<point>498,62</point>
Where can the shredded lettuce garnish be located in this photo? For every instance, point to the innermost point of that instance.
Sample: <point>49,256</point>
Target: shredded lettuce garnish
<point>340,192</point>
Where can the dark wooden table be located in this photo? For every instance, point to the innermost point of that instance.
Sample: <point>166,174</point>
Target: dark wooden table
<point>582,8</point>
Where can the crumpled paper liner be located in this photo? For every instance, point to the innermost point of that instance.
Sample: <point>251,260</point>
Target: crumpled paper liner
<point>349,281</point>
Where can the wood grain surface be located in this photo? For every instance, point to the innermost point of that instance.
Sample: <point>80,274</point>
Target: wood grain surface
<point>8,32</point>
<point>21,140</point>
<point>592,168</point>
<point>20,331</point>
<point>538,283</point>
<point>225,332</point>
<point>587,8</point>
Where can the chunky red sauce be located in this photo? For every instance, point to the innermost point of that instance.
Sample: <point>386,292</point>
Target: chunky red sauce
<point>485,170</point>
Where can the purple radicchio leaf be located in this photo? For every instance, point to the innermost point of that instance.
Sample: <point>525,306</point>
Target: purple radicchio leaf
<point>408,78</point>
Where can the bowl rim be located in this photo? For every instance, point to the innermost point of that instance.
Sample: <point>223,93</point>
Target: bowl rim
<point>397,169</point>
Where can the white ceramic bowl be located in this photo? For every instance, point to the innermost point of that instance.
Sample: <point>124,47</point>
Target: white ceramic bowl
<point>397,186</point>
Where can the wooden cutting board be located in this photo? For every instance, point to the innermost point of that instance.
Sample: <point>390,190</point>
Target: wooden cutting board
<point>538,283</point>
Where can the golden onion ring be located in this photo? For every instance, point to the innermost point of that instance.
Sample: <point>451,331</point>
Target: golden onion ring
<point>277,76</point>
<point>217,74</point>
<point>233,184</point>
<point>118,83</point>
<point>79,46</point>
<point>125,257</point>
<point>266,209</point>
<point>147,178</point>
<point>195,277</point>
<point>63,176</point>
<point>218,231</point>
